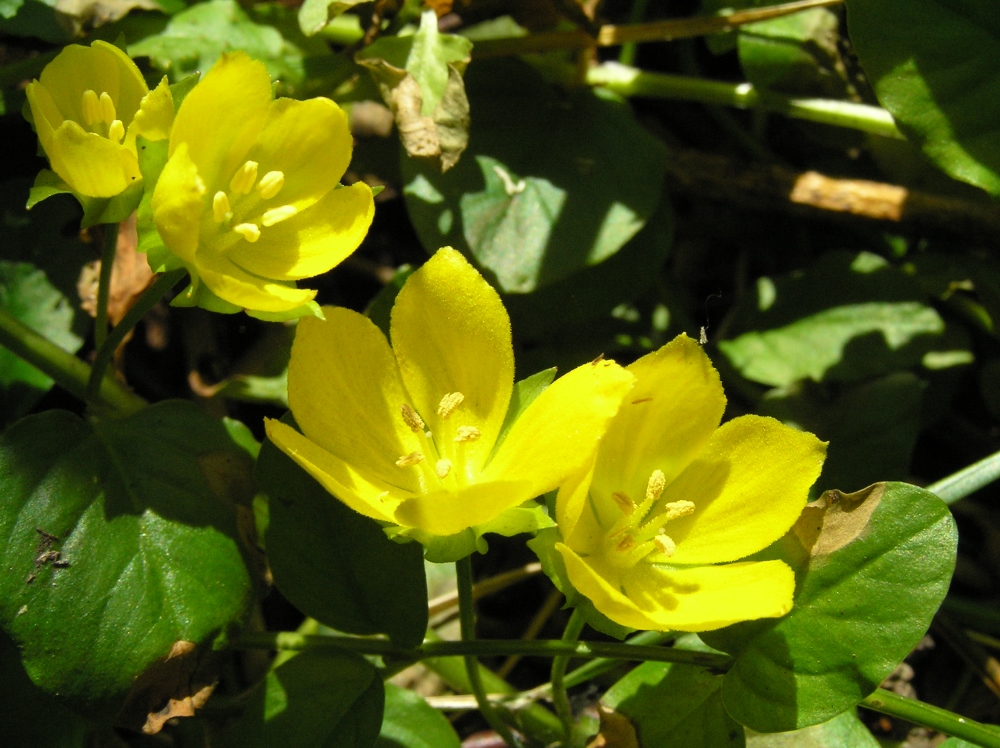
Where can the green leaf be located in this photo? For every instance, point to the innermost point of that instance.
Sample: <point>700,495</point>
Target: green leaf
<point>195,38</point>
<point>843,731</point>
<point>28,715</point>
<point>933,64</point>
<point>871,569</point>
<point>336,565</point>
<point>695,717</point>
<point>95,209</point>
<point>315,14</point>
<point>27,295</point>
<point>846,318</point>
<point>9,8</point>
<point>872,427</point>
<point>410,722</point>
<point>553,182</point>
<point>119,540</point>
<point>316,698</point>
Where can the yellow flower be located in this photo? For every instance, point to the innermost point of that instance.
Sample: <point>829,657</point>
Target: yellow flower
<point>249,200</point>
<point>86,111</point>
<point>651,529</point>
<point>408,435</point>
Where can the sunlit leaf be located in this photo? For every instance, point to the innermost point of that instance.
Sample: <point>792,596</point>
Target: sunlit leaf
<point>410,722</point>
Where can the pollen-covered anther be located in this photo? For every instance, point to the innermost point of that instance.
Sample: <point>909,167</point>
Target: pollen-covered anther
<point>91,108</point>
<point>277,215</point>
<point>271,184</point>
<point>665,545</point>
<point>116,131</point>
<point>442,468</point>
<point>467,434</point>
<point>108,113</point>
<point>654,488</point>
<point>244,178</point>
<point>414,458</point>
<point>220,207</point>
<point>248,231</point>
<point>625,544</point>
<point>624,502</point>
<point>449,403</point>
<point>411,418</point>
<point>677,509</point>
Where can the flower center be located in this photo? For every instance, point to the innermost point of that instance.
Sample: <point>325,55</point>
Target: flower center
<point>639,532</point>
<point>241,194</point>
<point>99,116</point>
<point>436,469</point>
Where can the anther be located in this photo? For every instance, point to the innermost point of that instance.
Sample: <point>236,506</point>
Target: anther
<point>467,434</point>
<point>271,184</point>
<point>248,231</point>
<point>411,418</point>
<point>666,546</point>
<point>676,509</point>
<point>116,131</point>
<point>442,468</point>
<point>244,178</point>
<point>277,215</point>
<point>625,544</point>
<point>107,109</point>
<point>220,207</point>
<point>449,403</point>
<point>91,108</point>
<point>654,488</point>
<point>624,502</point>
<point>414,458</point>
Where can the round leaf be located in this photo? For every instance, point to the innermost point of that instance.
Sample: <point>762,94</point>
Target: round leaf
<point>871,570</point>
<point>410,722</point>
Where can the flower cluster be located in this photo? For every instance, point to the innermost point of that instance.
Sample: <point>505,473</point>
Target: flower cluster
<point>249,199</point>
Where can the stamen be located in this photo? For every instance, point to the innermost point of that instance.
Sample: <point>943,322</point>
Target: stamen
<point>414,458</point>
<point>442,468</point>
<point>116,131</point>
<point>676,509</point>
<point>667,546</point>
<point>449,403</point>
<point>411,418</point>
<point>271,184</point>
<point>655,486</point>
<point>107,109</point>
<point>248,231</point>
<point>244,178</point>
<point>277,215</point>
<point>467,434</point>
<point>220,207</point>
<point>91,107</point>
<point>625,544</point>
<point>624,502</point>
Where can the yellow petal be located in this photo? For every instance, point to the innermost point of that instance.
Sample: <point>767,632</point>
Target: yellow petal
<point>674,408</point>
<point>232,283</point>
<point>307,141</point>
<point>695,599</point>
<point>558,433</point>
<point>311,242</point>
<point>222,116</point>
<point>346,395</point>
<point>451,334</point>
<point>90,164</point>
<point>356,491</point>
<point>102,68</point>
<point>44,112</point>
<point>155,117</point>
<point>177,205</point>
<point>446,512</point>
<point>573,500</point>
<point>749,485</point>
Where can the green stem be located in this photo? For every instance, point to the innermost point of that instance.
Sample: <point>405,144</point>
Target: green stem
<point>629,81</point>
<point>934,717</point>
<point>145,302</point>
<point>66,369</point>
<point>627,55</point>
<point>108,250</point>
<point>600,665</point>
<point>467,620</point>
<point>282,640</point>
<point>968,480</point>
<point>560,698</point>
